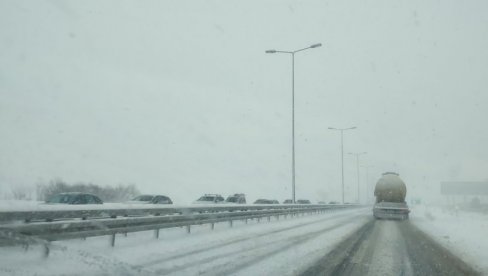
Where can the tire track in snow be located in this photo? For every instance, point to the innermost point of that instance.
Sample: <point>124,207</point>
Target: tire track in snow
<point>389,248</point>
<point>244,259</point>
<point>234,241</point>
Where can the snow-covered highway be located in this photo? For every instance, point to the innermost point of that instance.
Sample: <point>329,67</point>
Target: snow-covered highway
<point>342,242</point>
<point>276,247</point>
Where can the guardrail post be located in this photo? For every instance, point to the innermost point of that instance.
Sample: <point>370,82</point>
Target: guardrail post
<point>112,239</point>
<point>188,229</point>
<point>212,226</point>
<point>230,223</point>
<point>258,219</point>
<point>245,221</point>
<point>156,233</point>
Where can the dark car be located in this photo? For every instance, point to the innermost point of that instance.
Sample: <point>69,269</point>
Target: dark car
<point>151,199</point>
<point>303,201</point>
<point>210,199</point>
<point>74,198</point>
<point>288,201</point>
<point>266,201</point>
<point>236,198</point>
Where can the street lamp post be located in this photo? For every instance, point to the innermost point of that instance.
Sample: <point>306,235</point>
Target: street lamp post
<point>292,53</point>
<point>342,154</point>
<point>367,167</point>
<point>357,154</point>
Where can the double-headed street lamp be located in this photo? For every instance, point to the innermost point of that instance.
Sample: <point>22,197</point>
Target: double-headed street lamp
<point>292,53</point>
<point>342,154</point>
<point>357,154</point>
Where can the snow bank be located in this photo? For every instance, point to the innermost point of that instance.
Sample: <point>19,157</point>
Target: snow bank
<point>463,233</point>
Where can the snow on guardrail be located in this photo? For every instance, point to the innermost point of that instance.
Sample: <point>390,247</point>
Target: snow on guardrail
<point>71,227</point>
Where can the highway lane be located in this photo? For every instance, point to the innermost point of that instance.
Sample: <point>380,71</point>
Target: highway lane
<point>347,242</point>
<point>256,252</point>
<point>387,247</point>
<point>265,247</point>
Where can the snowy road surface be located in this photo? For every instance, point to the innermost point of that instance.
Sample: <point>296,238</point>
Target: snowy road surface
<point>345,242</point>
<point>279,247</point>
<point>386,247</point>
<point>463,233</point>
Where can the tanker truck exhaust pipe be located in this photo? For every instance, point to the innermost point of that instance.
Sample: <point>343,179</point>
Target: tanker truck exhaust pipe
<point>390,192</point>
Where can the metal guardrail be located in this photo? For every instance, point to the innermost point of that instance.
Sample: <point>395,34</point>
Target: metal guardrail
<point>74,224</point>
<point>51,215</point>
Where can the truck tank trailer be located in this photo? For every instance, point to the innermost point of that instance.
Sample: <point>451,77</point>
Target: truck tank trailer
<point>390,192</point>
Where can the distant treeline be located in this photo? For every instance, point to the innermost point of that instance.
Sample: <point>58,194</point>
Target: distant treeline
<point>107,193</point>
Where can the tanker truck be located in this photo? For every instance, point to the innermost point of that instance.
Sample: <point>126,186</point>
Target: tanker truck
<point>390,192</point>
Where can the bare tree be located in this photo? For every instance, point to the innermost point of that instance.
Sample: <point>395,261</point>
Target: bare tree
<point>108,193</point>
<point>21,192</point>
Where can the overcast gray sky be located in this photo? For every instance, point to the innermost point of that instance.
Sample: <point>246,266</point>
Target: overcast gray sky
<point>179,97</point>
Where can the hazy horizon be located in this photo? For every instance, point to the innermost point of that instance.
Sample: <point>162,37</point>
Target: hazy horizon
<point>181,99</point>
